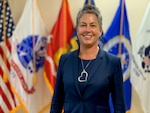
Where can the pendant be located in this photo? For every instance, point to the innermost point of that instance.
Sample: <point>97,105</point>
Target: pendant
<point>83,77</point>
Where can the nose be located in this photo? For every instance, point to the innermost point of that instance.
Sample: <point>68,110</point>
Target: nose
<point>88,28</point>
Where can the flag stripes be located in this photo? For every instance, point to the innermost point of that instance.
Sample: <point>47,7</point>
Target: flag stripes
<point>3,96</point>
<point>7,97</point>
<point>7,101</point>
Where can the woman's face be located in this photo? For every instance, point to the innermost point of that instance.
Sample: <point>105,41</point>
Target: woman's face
<point>88,30</point>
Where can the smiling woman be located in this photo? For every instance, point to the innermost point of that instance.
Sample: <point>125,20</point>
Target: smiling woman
<point>50,10</point>
<point>88,30</point>
<point>87,76</point>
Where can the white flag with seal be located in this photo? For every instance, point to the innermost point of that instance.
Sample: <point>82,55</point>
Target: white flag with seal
<point>140,67</point>
<point>27,63</point>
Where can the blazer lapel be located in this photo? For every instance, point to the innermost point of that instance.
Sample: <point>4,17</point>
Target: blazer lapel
<point>96,64</point>
<point>75,71</point>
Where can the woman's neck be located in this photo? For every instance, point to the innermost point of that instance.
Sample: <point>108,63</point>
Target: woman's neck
<point>88,53</point>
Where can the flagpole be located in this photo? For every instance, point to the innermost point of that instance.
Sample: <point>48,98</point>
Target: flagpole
<point>33,45</point>
<point>4,35</point>
<point>65,29</point>
<point>121,28</point>
<point>89,2</point>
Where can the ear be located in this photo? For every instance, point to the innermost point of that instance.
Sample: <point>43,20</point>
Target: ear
<point>101,32</point>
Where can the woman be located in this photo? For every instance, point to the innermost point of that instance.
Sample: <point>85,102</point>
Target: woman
<point>86,77</point>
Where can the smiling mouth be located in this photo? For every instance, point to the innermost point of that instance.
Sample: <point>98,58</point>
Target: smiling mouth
<point>87,36</point>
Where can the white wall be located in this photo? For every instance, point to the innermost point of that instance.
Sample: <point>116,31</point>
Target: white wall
<point>50,9</point>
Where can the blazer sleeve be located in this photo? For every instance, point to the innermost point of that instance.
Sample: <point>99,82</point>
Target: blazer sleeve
<point>58,96</point>
<point>118,88</point>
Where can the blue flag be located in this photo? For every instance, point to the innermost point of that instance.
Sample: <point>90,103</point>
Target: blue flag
<point>117,41</point>
<point>89,2</point>
<point>74,40</point>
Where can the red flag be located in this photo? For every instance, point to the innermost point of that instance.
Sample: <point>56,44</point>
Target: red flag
<point>60,41</point>
<point>7,101</point>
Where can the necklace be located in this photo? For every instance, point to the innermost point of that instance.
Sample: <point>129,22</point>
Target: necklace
<point>84,74</point>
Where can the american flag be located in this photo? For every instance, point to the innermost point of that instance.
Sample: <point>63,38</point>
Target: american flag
<point>7,101</point>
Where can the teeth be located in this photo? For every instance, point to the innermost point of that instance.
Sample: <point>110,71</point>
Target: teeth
<point>87,35</point>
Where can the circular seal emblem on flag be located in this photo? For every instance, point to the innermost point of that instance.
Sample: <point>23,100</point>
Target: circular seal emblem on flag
<point>26,52</point>
<point>144,53</point>
<point>121,47</point>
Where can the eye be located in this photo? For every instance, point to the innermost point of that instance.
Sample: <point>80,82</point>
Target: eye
<point>93,25</point>
<point>82,25</point>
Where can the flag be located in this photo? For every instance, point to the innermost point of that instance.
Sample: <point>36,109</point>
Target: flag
<point>74,42</point>
<point>60,41</point>
<point>29,42</point>
<point>7,101</point>
<point>140,65</point>
<point>89,2</point>
<point>117,41</point>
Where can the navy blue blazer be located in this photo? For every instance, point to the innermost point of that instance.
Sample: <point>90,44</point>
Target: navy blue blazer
<point>105,78</point>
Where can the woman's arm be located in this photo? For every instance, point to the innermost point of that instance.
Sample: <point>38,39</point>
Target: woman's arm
<point>118,88</point>
<point>58,96</point>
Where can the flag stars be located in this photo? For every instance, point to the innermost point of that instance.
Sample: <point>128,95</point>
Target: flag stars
<point>0,25</point>
<point>9,25</point>
<point>7,13</point>
<point>1,21</point>
<point>8,34</point>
